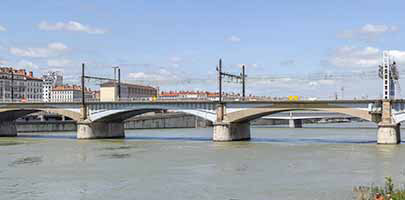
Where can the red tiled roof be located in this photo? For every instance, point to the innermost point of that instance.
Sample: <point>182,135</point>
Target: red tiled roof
<point>69,87</point>
<point>19,72</point>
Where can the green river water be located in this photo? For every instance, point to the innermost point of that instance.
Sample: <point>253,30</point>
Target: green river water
<point>315,162</point>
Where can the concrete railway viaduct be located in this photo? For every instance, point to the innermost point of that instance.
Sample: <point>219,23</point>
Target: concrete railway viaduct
<point>231,119</point>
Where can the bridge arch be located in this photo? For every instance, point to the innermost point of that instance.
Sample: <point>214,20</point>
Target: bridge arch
<point>120,115</point>
<point>11,114</point>
<point>247,115</point>
<point>398,117</point>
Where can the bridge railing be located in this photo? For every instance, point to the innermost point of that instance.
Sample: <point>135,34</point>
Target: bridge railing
<point>226,100</point>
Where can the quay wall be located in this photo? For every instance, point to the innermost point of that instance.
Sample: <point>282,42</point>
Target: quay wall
<point>156,121</point>
<point>160,120</point>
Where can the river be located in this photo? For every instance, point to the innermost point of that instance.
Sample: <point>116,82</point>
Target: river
<point>315,162</point>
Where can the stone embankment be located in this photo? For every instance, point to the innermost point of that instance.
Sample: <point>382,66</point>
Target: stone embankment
<point>158,120</point>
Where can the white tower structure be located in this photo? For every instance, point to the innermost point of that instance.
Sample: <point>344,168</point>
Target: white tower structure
<point>388,73</point>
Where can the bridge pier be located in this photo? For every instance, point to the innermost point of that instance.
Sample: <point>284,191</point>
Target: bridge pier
<point>388,131</point>
<point>295,123</point>
<point>8,129</point>
<point>99,130</point>
<point>388,134</point>
<point>224,131</point>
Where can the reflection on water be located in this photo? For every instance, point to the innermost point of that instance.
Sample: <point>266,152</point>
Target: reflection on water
<point>116,155</point>
<point>278,163</point>
<point>118,148</point>
<point>26,160</point>
<point>9,143</point>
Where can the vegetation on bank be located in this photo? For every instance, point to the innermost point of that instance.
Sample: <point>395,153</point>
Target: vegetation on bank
<point>386,192</point>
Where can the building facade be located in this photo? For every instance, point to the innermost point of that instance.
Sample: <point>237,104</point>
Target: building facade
<point>67,93</point>
<point>50,80</point>
<point>202,95</point>
<point>128,92</point>
<point>189,95</point>
<point>18,85</point>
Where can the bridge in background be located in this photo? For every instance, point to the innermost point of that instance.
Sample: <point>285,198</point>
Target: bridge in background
<point>230,118</point>
<point>296,118</point>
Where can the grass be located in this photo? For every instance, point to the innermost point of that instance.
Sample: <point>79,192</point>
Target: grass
<point>388,191</point>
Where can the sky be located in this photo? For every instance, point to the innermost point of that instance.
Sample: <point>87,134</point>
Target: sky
<point>288,47</point>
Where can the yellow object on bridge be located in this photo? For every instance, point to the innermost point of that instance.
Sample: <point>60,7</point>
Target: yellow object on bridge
<point>293,98</point>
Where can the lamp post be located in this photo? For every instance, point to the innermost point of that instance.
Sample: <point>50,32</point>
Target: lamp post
<point>119,84</point>
<point>83,108</point>
<point>115,72</point>
<point>12,85</point>
<point>243,82</point>
<point>220,80</point>
<point>82,84</point>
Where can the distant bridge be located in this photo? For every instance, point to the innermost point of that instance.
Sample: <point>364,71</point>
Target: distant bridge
<point>296,118</point>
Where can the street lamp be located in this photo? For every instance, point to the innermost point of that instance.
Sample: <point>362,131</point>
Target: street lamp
<point>115,72</point>
<point>119,79</point>
<point>12,85</point>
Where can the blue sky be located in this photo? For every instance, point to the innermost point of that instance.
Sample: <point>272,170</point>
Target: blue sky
<point>170,43</point>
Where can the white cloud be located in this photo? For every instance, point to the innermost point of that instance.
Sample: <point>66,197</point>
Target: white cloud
<point>138,75</point>
<point>3,62</point>
<point>176,61</point>
<point>376,29</point>
<point>399,56</point>
<point>148,76</point>
<point>323,82</point>
<point>160,75</point>
<point>354,57</point>
<point>233,38</point>
<point>27,65</point>
<point>57,46</point>
<point>29,52</point>
<point>58,62</point>
<point>70,26</point>
<point>2,28</point>
<point>368,32</point>
<point>51,50</point>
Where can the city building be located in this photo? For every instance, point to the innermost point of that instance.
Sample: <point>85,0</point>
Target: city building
<point>202,95</point>
<point>109,91</point>
<point>24,86</point>
<point>67,93</point>
<point>50,80</point>
<point>95,95</point>
<point>189,95</point>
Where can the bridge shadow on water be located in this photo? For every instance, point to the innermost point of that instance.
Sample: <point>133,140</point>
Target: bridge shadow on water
<point>47,136</point>
<point>209,139</point>
<point>311,141</point>
<point>163,138</point>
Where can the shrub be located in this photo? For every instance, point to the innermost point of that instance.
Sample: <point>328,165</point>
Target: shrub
<point>388,191</point>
